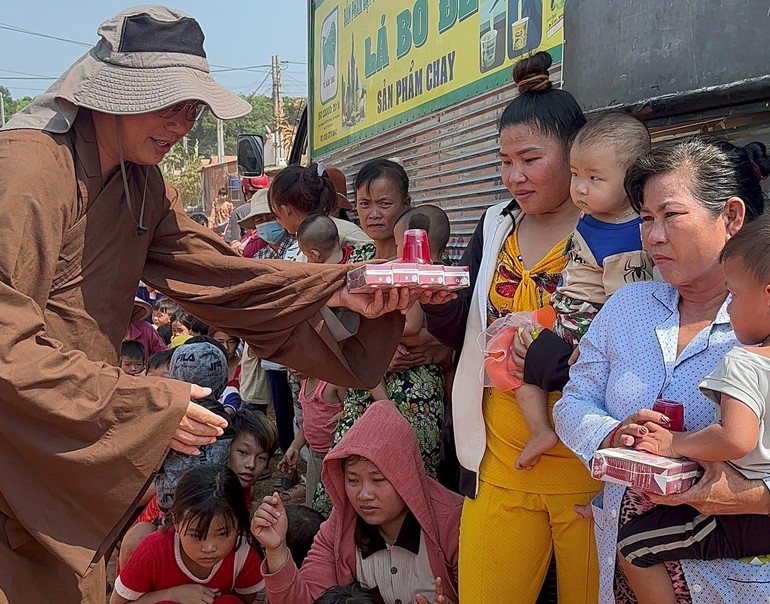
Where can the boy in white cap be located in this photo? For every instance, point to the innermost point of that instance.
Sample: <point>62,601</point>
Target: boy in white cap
<point>87,217</point>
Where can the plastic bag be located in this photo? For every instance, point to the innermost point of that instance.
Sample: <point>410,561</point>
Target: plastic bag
<point>496,342</point>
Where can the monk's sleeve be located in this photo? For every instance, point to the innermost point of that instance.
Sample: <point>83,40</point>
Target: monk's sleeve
<point>79,440</point>
<point>274,305</point>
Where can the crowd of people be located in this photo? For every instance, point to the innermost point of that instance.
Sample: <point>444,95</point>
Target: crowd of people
<point>421,460</point>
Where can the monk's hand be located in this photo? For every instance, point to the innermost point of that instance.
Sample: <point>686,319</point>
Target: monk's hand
<point>376,303</point>
<point>198,427</point>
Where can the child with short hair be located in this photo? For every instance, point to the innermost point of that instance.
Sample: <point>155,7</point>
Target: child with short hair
<point>204,364</point>
<point>255,442</point>
<point>205,554</point>
<point>604,251</point>
<point>740,388</point>
<point>158,363</point>
<point>230,396</point>
<point>303,525</point>
<point>321,401</point>
<point>162,311</point>
<point>131,359</point>
<point>435,222</point>
<point>319,241</point>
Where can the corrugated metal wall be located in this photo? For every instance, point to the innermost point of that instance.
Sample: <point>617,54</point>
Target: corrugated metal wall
<point>451,157</point>
<point>215,176</point>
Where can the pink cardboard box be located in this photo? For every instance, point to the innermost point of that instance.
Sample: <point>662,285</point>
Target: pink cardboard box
<point>456,277</point>
<point>431,276</point>
<point>370,277</point>
<point>406,274</point>
<point>645,471</point>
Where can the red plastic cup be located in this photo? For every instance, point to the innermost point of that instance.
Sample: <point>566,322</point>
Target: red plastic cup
<point>673,410</point>
<point>416,247</point>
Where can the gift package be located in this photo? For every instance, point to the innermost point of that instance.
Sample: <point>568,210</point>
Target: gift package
<point>413,270</point>
<point>645,471</point>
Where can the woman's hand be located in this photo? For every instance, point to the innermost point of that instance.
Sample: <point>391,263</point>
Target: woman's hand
<point>269,524</point>
<point>436,296</point>
<point>404,359</point>
<point>632,429</point>
<point>721,490</point>
<point>438,597</point>
<point>199,426</point>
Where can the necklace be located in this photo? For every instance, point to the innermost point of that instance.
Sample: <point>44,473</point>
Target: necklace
<point>623,217</point>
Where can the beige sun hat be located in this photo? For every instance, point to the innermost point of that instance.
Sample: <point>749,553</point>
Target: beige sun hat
<point>259,207</point>
<point>149,57</point>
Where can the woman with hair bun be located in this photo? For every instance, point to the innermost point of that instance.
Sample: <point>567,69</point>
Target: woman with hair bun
<point>513,520</point>
<point>297,192</point>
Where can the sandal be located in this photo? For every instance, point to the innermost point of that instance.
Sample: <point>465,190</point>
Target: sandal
<point>282,483</point>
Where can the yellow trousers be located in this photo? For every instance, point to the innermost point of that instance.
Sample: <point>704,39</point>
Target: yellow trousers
<point>506,541</point>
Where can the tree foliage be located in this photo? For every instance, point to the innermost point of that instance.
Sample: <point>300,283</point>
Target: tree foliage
<point>205,130</point>
<point>257,122</point>
<point>12,105</point>
<point>181,168</point>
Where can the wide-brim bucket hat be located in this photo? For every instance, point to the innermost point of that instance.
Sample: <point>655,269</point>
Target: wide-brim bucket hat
<point>142,309</point>
<point>148,58</point>
<point>260,206</point>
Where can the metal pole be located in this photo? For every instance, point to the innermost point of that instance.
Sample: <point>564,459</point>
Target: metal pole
<point>220,140</point>
<point>276,73</point>
<point>2,111</point>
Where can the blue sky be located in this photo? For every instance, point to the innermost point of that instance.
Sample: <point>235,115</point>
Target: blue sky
<point>239,33</point>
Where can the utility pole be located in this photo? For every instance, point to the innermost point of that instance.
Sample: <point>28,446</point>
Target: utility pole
<point>2,111</point>
<point>220,140</point>
<point>276,73</point>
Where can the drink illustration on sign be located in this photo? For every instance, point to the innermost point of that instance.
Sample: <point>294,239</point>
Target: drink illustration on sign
<point>525,25</point>
<point>492,21</point>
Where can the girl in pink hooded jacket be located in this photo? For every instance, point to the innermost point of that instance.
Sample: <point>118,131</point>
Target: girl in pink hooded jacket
<point>391,527</point>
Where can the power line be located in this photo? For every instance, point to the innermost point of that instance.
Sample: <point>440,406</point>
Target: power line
<point>258,88</point>
<point>37,75</point>
<point>30,89</point>
<point>41,35</point>
<point>247,68</point>
<point>24,78</point>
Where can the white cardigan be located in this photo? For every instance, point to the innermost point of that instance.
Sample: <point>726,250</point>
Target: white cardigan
<point>467,393</point>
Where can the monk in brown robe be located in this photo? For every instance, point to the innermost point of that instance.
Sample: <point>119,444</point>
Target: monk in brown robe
<point>87,215</point>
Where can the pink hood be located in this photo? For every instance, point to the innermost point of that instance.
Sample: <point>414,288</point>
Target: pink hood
<point>385,438</point>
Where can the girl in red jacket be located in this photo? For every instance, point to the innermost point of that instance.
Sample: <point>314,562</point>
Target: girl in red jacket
<point>392,527</point>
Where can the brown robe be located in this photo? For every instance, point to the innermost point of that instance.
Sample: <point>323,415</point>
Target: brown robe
<point>80,440</point>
